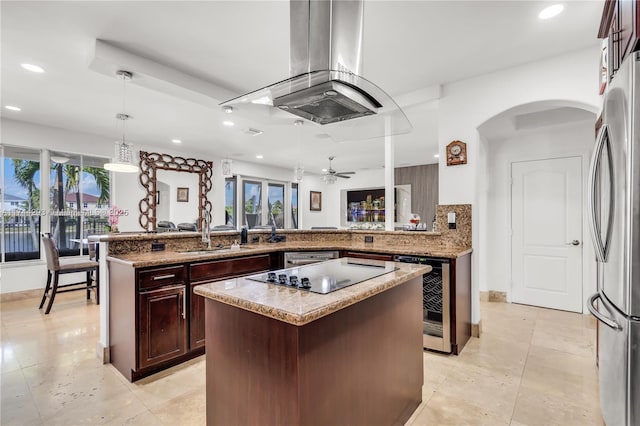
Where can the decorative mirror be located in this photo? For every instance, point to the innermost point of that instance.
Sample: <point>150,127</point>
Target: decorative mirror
<point>150,164</point>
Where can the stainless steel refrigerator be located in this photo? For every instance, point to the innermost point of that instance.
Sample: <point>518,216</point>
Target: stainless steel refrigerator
<point>614,218</point>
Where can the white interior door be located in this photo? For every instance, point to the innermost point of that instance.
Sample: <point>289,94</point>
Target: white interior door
<point>546,221</point>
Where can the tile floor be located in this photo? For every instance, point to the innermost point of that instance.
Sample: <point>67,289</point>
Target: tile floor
<point>531,367</point>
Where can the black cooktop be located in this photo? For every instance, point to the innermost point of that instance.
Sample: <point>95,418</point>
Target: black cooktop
<point>325,277</point>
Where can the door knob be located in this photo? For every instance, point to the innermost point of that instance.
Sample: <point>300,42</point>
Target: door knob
<point>574,243</point>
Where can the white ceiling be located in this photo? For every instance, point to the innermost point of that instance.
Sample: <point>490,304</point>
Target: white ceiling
<point>244,45</point>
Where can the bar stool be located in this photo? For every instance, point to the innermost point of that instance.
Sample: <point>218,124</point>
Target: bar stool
<point>57,267</point>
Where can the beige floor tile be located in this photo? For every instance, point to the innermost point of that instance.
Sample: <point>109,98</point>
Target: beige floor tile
<point>447,410</point>
<point>170,384</point>
<point>534,408</point>
<point>145,418</point>
<point>576,344</point>
<point>188,409</point>
<point>56,389</point>
<point>535,364</point>
<point>98,410</point>
<point>17,405</point>
<point>491,392</point>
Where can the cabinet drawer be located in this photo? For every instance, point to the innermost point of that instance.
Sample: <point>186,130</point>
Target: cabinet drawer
<point>229,267</point>
<point>158,277</point>
<point>373,256</point>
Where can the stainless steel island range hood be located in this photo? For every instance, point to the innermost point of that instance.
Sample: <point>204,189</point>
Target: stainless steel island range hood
<point>325,87</point>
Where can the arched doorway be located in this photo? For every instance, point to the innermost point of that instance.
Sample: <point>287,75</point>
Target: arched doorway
<point>533,163</point>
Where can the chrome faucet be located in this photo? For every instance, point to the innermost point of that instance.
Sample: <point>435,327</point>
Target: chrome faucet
<point>206,231</point>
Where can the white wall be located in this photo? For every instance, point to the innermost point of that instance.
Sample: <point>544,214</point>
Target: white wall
<point>570,80</point>
<point>575,139</point>
<point>331,207</point>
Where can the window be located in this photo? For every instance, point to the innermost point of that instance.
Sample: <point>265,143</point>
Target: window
<point>252,202</point>
<point>20,200</point>
<point>275,202</point>
<point>74,183</point>
<point>85,205</point>
<point>294,205</point>
<point>261,192</point>
<point>230,201</point>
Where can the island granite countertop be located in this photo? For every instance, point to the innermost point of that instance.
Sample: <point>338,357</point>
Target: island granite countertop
<point>299,307</point>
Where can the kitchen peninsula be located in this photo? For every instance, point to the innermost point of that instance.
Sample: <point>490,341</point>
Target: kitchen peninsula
<point>150,317</point>
<point>282,355</point>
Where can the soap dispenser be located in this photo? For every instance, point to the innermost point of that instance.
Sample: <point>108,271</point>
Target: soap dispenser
<point>244,235</point>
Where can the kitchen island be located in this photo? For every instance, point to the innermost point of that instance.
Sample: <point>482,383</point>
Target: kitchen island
<point>280,355</point>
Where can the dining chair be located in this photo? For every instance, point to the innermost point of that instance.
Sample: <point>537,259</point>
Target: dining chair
<point>57,267</point>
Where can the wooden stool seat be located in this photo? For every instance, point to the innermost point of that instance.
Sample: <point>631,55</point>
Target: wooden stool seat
<point>56,267</point>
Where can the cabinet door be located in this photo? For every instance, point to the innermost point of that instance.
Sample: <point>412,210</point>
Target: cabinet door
<point>196,319</point>
<point>202,273</point>
<point>626,22</point>
<point>162,323</point>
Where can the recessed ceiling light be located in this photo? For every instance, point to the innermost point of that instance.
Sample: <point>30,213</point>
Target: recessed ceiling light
<point>324,170</point>
<point>13,108</point>
<point>551,11</point>
<point>259,156</point>
<point>32,68</point>
<point>176,141</point>
<point>228,123</point>
<point>436,155</point>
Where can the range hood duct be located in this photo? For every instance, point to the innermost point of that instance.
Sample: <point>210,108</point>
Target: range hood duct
<point>327,35</point>
<point>325,63</point>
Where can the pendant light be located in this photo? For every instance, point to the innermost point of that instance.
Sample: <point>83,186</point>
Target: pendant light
<point>125,158</point>
<point>298,170</point>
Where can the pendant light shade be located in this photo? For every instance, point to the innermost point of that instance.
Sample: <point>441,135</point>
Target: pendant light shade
<point>124,159</point>
<point>225,166</point>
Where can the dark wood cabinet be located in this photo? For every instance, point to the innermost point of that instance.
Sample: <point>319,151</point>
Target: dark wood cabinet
<point>373,256</point>
<point>162,331</point>
<point>213,270</point>
<point>620,23</point>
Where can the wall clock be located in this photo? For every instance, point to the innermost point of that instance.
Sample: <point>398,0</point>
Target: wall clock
<point>456,153</point>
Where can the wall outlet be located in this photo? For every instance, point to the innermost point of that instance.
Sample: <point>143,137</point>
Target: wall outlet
<point>368,238</point>
<point>451,220</point>
<point>157,246</point>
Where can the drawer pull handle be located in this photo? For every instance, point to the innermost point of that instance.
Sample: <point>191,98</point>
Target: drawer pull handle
<point>184,305</point>
<point>164,277</point>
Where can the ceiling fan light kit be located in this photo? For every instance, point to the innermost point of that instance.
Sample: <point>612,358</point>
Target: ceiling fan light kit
<point>331,176</point>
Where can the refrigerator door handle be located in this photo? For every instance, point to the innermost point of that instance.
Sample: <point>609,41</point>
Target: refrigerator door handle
<point>594,311</point>
<point>592,195</point>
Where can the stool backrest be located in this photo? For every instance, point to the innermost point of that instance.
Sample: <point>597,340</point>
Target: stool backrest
<point>51,252</point>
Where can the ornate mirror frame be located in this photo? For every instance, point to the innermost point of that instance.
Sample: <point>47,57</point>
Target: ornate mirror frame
<point>150,163</point>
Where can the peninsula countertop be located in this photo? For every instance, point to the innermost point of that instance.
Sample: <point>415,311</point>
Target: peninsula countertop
<point>299,307</point>
<point>157,258</point>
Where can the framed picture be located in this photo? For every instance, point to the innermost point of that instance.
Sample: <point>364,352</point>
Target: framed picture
<point>183,195</point>
<point>315,201</point>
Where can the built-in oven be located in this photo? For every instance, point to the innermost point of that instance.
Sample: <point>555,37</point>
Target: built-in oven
<point>436,319</point>
<point>298,258</point>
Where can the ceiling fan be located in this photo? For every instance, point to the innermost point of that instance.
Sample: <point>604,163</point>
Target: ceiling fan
<point>331,175</point>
